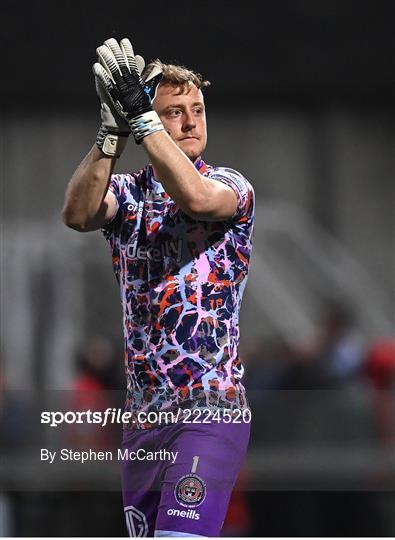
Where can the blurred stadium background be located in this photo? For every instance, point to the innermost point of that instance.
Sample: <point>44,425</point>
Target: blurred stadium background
<point>302,104</point>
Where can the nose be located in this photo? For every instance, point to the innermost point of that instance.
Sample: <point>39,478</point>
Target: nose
<point>189,121</point>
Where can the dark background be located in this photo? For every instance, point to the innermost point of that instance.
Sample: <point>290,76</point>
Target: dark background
<point>300,51</point>
<point>302,102</point>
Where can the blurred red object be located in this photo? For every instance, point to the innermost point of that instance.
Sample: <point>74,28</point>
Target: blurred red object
<point>380,363</point>
<point>380,370</point>
<point>238,518</point>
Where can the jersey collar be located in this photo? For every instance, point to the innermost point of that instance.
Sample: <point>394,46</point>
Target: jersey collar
<point>201,165</point>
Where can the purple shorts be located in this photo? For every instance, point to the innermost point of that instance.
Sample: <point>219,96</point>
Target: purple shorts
<point>179,477</point>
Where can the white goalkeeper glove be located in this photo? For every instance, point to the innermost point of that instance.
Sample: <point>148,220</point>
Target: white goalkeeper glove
<point>114,130</point>
<point>126,98</point>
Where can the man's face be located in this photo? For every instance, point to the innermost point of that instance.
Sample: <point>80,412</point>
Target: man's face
<point>183,116</point>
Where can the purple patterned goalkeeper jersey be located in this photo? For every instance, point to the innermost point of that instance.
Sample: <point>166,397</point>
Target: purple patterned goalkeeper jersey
<point>181,282</point>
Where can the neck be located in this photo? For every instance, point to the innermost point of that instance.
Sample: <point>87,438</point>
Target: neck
<point>194,161</point>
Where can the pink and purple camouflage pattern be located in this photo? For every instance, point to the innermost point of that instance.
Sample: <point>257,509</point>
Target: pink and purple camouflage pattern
<point>181,283</point>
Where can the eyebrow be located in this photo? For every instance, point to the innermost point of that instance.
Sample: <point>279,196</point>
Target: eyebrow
<point>180,105</point>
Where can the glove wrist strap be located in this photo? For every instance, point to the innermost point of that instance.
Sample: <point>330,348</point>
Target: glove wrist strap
<point>111,144</point>
<point>144,125</point>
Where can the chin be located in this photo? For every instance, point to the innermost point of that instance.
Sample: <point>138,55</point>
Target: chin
<point>192,153</point>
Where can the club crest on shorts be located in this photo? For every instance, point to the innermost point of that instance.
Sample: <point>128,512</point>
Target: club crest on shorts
<point>190,490</point>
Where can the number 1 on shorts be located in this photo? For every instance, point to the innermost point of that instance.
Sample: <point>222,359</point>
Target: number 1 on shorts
<point>195,464</point>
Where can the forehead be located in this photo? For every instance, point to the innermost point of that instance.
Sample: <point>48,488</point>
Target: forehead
<point>176,95</point>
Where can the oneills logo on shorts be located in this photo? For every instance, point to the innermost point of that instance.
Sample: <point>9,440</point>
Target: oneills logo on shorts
<point>155,253</point>
<point>190,491</point>
<point>188,514</point>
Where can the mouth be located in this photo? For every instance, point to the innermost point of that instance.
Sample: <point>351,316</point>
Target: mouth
<point>189,139</point>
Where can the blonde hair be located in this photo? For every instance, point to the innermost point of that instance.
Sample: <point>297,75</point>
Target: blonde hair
<point>178,75</point>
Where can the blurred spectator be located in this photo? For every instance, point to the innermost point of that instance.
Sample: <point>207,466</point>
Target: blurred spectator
<point>98,366</point>
<point>18,413</point>
<point>333,357</point>
<point>266,364</point>
<point>98,376</point>
<point>292,409</point>
<point>338,345</point>
<point>379,368</point>
<point>330,358</point>
<point>82,510</point>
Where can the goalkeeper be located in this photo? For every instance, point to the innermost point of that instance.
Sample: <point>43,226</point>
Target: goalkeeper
<point>180,233</point>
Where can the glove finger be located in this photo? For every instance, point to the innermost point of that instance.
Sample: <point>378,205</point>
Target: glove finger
<point>128,53</point>
<point>135,64</point>
<point>115,69</point>
<point>117,51</point>
<point>102,76</point>
<point>148,75</point>
<point>104,80</point>
<point>102,94</point>
<point>140,63</point>
<point>108,61</point>
<point>99,89</point>
<point>110,115</point>
<point>106,90</point>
